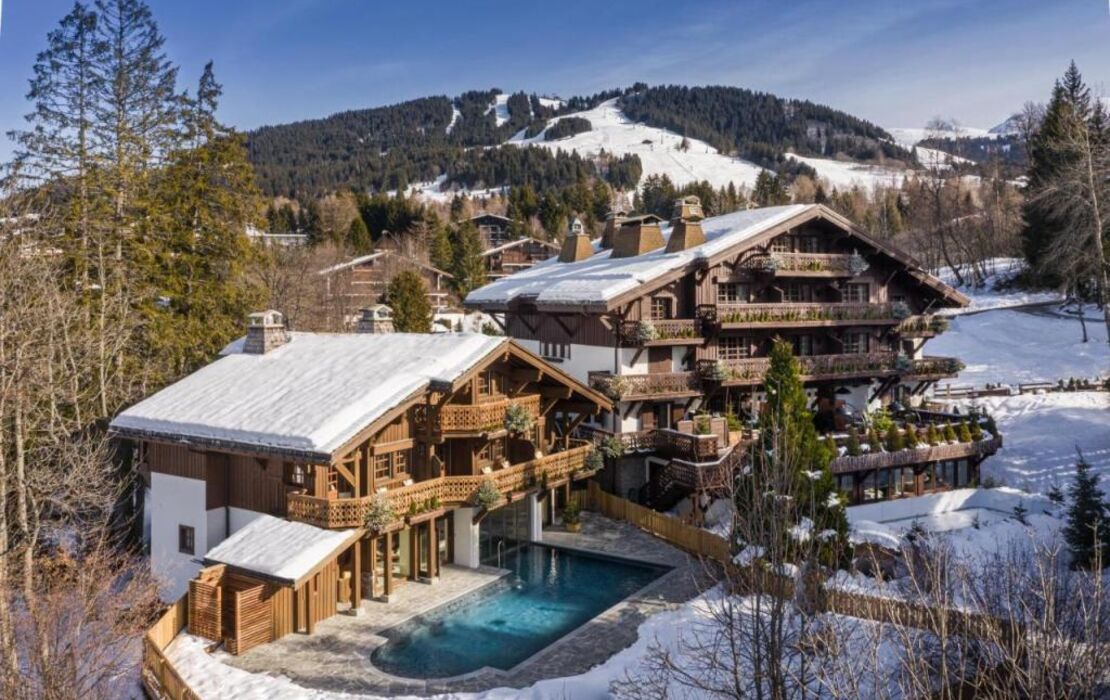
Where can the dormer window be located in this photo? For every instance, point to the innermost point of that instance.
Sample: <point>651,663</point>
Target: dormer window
<point>661,308</point>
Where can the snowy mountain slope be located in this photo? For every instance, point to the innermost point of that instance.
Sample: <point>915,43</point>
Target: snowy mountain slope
<point>908,137</point>
<point>659,153</point>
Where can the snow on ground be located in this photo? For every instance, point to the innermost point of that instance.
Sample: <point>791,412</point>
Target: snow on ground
<point>456,115</point>
<point>995,292</point>
<point>908,137</point>
<point>500,108</point>
<point>672,632</point>
<point>939,160</point>
<point>658,151</point>
<point>1028,345</point>
<point>1040,435</point>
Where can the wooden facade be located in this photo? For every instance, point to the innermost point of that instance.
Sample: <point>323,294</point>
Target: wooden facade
<point>362,282</point>
<point>507,420</point>
<point>696,339</point>
<point>513,256</point>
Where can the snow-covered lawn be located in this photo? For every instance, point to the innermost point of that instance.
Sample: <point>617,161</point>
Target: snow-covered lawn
<point>1041,433</point>
<point>995,292</point>
<point>1016,346</point>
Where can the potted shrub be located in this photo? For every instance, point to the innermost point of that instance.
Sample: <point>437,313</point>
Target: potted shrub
<point>645,332</point>
<point>735,428</point>
<point>487,496</point>
<point>963,433</point>
<point>594,461</point>
<point>701,425</point>
<point>894,441</point>
<point>911,436</point>
<point>380,513</point>
<point>611,447</point>
<point>932,435</point>
<point>572,516</point>
<point>854,448</point>
<point>949,433</point>
<point>517,419</point>
<point>873,440</point>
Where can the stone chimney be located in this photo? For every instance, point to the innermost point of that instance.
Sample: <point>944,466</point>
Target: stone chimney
<point>613,221</point>
<point>265,331</point>
<point>637,236</point>
<point>576,246</point>
<point>375,319</point>
<point>686,225</point>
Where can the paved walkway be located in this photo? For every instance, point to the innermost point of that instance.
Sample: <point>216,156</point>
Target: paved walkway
<point>337,656</point>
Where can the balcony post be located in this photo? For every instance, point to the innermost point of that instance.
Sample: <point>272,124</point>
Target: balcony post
<point>356,584</point>
<point>433,551</point>
<point>388,564</point>
<point>466,537</point>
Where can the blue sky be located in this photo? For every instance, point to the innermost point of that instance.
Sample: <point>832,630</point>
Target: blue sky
<point>895,62</point>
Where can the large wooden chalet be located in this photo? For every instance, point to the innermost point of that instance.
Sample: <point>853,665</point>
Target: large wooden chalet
<point>300,472</point>
<point>675,324</point>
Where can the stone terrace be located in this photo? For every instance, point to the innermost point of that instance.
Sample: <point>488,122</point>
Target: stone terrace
<point>337,656</point>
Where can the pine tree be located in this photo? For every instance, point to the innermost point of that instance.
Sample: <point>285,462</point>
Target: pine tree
<point>407,295</point>
<point>200,209</point>
<point>1085,531</point>
<point>468,265</point>
<point>440,251</point>
<point>358,237</point>
<point>786,424</point>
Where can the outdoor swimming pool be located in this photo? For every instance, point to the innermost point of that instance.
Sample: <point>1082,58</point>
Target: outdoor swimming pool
<point>550,592</point>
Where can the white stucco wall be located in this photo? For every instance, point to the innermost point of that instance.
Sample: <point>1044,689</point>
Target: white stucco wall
<point>175,501</point>
<point>241,517</point>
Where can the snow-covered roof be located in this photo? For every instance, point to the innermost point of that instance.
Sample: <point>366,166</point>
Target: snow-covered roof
<point>353,262</point>
<point>307,397</point>
<point>278,548</point>
<point>519,241</point>
<point>600,278</point>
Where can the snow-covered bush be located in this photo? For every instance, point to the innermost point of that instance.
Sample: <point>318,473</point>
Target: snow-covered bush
<point>380,513</point>
<point>716,371</point>
<point>611,447</point>
<point>645,332</point>
<point>858,264</point>
<point>900,310</point>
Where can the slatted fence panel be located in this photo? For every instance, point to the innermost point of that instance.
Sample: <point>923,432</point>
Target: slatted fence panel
<point>206,610</point>
<point>253,619</point>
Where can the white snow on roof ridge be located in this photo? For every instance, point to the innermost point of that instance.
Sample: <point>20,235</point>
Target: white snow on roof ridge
<point>515,243</point>
<point>278,548</point>
<point>312,394</point>
<point>601,277</point>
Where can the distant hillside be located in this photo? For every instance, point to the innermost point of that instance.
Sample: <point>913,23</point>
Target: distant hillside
<point>450,140</point>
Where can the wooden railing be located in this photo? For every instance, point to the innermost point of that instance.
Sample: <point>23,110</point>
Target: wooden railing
<point>922,326</point>
<point>935,367</point>
<point>802,264</point>
<point>626,387</point>
<point>688,446</point>
<point>917,455</point>
<point>482,417</point>
<point>661,331</point>
<point>159,677</point>
<point>430,494</point>
<point>813,367</point>
<point>772,314</point>
<point>632,441</point>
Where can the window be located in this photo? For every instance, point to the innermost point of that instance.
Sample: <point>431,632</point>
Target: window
<point>660,308</point>
<point>809,244</point>
<point>295,474</point>
<point>782,244</point>
<point>856,342</point>
<point>797,292</point>
<point>400,461</point>
<point>497,450</point>
<point>733,293</point>
<point>489,383</point>
<point>554,351</point>
<point>733,348</point>
<point>382,469</point>
<point>857,293</point>
<point>186,539</point>
<point>803,345</point>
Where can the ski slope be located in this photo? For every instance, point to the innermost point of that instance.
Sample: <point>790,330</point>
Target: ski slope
<point>659,152</point>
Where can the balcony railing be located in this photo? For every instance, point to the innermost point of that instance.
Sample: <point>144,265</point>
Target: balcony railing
<point>813,367</point>
<point>441,491</point>
<point>687,446</point>
<point>672,331</point>
<point>631,441</point>
<point>631,387</point>
<point>931,368</point>
<point>776,315</point>
<point>916,455</point>
<point>483,417</point>
<point>808,264</point>
<point>922,326</point>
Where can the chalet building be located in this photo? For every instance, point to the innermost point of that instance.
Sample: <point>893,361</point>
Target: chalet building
<point>493,228</point>
<point>675,324</point>
<point>363,281</point>
<point>514,256</point>
<point>300,473</point>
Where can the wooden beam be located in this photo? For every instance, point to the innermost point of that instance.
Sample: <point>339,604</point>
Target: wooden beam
<point>388,563</point>
<point>346,474</point>
<point>433,550</point>
<point>356,585</point>
<point>556,392</point>
<point>526,374</point>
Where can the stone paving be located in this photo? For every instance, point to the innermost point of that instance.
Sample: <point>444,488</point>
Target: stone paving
<point>337,656</point>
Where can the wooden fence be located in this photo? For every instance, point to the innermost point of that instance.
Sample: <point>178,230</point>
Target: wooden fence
<point>160,679</point>
<point>692,539</point>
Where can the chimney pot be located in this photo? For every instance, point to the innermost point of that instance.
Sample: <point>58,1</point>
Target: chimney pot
<point>375,319</point>
<point>686,231</point>
<point>577,245</point>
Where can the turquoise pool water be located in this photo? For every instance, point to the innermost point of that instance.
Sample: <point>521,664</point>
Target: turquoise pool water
<point>550,592</point>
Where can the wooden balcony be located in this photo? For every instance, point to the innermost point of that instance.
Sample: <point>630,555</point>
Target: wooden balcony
<point>922,326</point>
<point>633,387</point>
<point>928,369</point>
<point>807,264</point>
<point>750,371</point>
<point>632,441</point>
<point>441,492</point>
<point>977,449</point>
<point>688,446</point>
<point>808,315</point>
<point>475,419</point>
<point>673,331</point>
